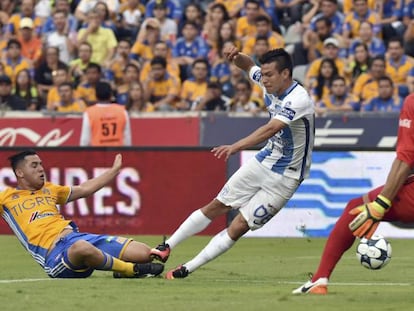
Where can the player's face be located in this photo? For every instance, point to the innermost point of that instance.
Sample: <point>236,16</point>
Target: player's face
<point>32,173</point>
<point>273,80</point>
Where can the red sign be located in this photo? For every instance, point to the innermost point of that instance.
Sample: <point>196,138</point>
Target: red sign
<point>62,131</point>
<point>154,192</point>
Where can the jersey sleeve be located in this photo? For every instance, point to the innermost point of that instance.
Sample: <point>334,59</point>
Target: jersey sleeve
<point>295,106</point>
<point>62,193</point>
<point>405,140</point>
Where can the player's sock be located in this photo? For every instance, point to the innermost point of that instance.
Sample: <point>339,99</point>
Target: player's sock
<point>219,244</point>
<point>195,223</point>
<point>111,263</point>
<point>339,241</point>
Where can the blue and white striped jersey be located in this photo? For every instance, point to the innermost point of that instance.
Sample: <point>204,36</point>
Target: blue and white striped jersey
<point>289,151</point>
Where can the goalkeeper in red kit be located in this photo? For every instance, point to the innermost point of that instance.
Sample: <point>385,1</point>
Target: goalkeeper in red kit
<point>394,201</point>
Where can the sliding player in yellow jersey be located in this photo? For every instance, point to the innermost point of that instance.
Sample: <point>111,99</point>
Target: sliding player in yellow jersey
<point>56,244</point>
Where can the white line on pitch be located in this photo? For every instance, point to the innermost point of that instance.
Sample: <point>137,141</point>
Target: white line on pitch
<point>23,280</point>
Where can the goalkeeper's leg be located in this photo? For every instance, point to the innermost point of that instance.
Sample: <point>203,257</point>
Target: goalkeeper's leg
<point>339,241</point>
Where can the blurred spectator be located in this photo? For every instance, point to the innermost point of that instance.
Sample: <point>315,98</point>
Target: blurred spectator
<point>43,73</point>
<point>161,49</point>
<point>357,62</point>
<point>261,46</point>
<point>14,61</point>
<point>187,48</point>
<point>105,124</point>
<point>26,90</point>
<point>366,35</point>
<point>213,100</point>
<point>322,83</point>
<point>217,15</point>
<point>264,29</point>
<point>220,70</point>
<point>246,25</point>
<point>193,89</point>
<point>86,90</point>
<point>168,26</point>
<point>43,9</point>
<point>391,14</point>
<point>131,75</point>
<point>136,102</point>
<point>243,100</point>
<point>85,6</point>
<point>131,17</point>
<point>7,100</point>
<point>31,44</point>
<point>68,102</point>
<point>118,64</point>
<point>347,5</point>
<point>398,65</point>
<point>311,45</point>
<point>325,9</point>
<point>101,8</point>
<point>59,76</point>
<point>330,51</point>
<point>78,66</point>
<point>227,34</point>
<point>161,89</point>
<point>410,81</point>
<point>148,36</point>
<point>192,13</point>
<point>6,10</point>
<point>408,20</point>
<point>289,11</point>
<point>71,23</point>
<point>101,39</point>
<point>174,9</point>
<point>360,13</point>
<point>338,98</point>
<point>233,7</point>
<point>386,100</point>
<point>60,37</point>
<point>366,85</point>
<point>26,10</point>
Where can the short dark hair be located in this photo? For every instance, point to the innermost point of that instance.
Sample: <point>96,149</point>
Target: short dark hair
<point>279,56</point>
<point>158,60</point>
<point>94,66</point>
<point>17,158</point>
<point>262,18</point>
<point>103,91</point>
<point>65,84</point>
<point>14,42</point>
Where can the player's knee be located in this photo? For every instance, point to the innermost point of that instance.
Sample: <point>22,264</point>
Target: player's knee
<point>238,227</point>
<point>82,248</point>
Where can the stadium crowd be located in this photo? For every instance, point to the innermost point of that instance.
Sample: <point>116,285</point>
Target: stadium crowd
<point>166,55</point>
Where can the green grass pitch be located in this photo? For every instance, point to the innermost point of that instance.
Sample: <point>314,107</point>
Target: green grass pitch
<point>256,274</point>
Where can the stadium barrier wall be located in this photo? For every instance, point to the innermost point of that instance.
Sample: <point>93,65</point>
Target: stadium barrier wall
<point>154,192</point>
<point>198,129</point>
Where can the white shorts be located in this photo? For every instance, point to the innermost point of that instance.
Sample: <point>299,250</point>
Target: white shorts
<point>257,192</point>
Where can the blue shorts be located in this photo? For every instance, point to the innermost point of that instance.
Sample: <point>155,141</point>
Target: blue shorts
<point>57,264</point>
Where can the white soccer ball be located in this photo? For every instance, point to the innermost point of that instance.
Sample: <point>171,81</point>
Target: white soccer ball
<point>374,253</point>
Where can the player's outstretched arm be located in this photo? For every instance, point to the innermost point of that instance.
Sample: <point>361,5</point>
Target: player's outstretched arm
<point>92,185</point>
<point>241,60</point>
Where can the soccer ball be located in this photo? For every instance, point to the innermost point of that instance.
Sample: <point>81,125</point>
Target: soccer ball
<point>374,253</point>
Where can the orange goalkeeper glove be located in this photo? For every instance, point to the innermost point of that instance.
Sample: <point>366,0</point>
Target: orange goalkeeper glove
<point>369,216</point>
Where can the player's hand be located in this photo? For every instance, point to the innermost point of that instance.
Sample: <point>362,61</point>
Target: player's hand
<point>117,162</point>
<point>368,217</point>
<point>224,150</point>
<point>231,52</point>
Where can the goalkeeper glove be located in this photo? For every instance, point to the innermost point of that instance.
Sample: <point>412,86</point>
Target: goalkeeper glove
<point>369,216</point>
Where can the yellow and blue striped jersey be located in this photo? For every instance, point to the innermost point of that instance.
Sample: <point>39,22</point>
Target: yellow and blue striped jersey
<point>34,216</point>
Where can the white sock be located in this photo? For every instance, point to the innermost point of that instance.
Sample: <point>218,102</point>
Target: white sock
<point>195,223</point>
<point>219,244</point>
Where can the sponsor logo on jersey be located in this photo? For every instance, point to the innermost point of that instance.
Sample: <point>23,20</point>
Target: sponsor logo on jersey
<point>257,76</point>
<point>287,113</point>
<point>405,123</point>
<point>15,196</point>
<point>46,191</point>
<point>37,215</point>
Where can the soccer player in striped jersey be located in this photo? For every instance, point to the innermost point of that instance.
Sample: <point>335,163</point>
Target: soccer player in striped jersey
<point>55,243</point>
<point>262,186</point>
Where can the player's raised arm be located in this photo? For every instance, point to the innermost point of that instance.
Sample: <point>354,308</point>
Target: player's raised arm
<point>92,185</point>
<point>241,60</point>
